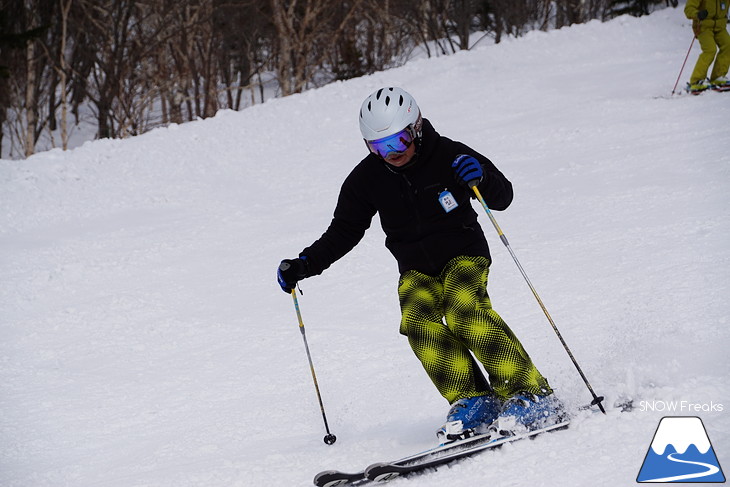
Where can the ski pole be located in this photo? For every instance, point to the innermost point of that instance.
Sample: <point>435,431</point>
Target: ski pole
<point>596,399</point>
<point>685,62</point>
<point>329,437</point>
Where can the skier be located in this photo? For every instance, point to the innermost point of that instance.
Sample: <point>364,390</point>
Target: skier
<point>709,22</point>
<point>417,181</point>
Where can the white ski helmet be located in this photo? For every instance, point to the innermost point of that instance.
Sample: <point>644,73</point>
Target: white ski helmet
<point>387,111</point>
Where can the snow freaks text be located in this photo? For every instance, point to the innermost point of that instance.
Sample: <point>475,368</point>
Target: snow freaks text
<point>680,406</point>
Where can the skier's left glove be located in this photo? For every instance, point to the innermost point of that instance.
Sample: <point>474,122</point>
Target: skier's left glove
<point>467,169</point>
<point>290,272</point>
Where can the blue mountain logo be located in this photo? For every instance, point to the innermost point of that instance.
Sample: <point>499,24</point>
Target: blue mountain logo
<point>681,452</point>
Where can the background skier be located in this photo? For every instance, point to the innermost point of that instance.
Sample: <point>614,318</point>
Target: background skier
<point>709,22</point>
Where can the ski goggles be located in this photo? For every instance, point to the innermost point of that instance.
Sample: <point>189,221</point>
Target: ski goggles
<point>398,142</point>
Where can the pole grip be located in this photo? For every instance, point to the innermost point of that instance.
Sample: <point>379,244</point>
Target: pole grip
<point>296,307</point>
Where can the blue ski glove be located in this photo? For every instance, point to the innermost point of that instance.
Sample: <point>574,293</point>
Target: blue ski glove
<point>467,169</point>
<point>290,272</point>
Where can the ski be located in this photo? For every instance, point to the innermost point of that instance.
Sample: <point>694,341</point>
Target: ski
<point>686,91</point>
<point>715,88</point>
<point>381,472</point>
<point>426,459</point>
<point>335,478</point>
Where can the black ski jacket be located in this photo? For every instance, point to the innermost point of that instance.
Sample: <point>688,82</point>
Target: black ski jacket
<point>420,233</point>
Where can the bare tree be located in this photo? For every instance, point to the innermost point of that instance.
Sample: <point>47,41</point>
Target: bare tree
<point>300,42</point>
<point>118,48</point>
<point>65,8</point>
<point>27,88</point>
<point>106,44</point>
<point>383,35</point>
<point>31,108</point>
<point>244,34</point>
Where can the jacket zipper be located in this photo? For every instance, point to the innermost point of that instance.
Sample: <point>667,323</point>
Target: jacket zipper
<point>412,197</point>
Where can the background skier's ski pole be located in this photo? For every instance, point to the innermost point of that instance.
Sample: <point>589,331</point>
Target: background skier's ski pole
<point>329,437</point>
<point>685,62</point>
<point>596,399</point>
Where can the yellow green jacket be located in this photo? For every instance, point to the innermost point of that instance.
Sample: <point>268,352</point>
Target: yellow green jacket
<point>716,13</point>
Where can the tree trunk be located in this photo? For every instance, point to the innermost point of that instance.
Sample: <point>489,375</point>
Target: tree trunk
<point>65,7</point>
<point>30,101</point>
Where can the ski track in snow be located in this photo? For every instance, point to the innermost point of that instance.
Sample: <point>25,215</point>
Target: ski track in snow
<point>144,341</point>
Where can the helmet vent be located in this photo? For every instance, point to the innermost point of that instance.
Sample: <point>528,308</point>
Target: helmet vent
<point>380,91</point>
<point>401,101</point>
<point>387,101</point>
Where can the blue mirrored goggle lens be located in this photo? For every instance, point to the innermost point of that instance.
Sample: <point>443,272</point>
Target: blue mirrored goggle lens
<point>399,142</point>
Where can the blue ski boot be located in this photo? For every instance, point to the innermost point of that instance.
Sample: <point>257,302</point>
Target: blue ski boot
<point>468,417</point>
<point>528,412</point>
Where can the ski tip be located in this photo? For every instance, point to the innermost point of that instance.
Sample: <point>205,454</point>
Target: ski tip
<point>335,478</point>
<point>382,472</point>
<point>334,483</point>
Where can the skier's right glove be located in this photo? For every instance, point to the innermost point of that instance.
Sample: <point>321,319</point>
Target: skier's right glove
<point>290,272</point>
<point>702,14</point>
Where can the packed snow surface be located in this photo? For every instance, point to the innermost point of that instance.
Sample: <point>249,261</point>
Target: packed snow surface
<point>145,342</point>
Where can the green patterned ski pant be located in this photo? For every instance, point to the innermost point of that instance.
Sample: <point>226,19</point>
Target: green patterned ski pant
<point>448,316</point>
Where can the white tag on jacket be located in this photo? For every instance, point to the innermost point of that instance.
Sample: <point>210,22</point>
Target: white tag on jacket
<point>447,200</point>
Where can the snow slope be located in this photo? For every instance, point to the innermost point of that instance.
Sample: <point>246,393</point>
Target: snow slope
<point>144,341</point>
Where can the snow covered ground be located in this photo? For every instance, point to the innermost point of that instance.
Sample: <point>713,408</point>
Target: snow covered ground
<point>145,342</point>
